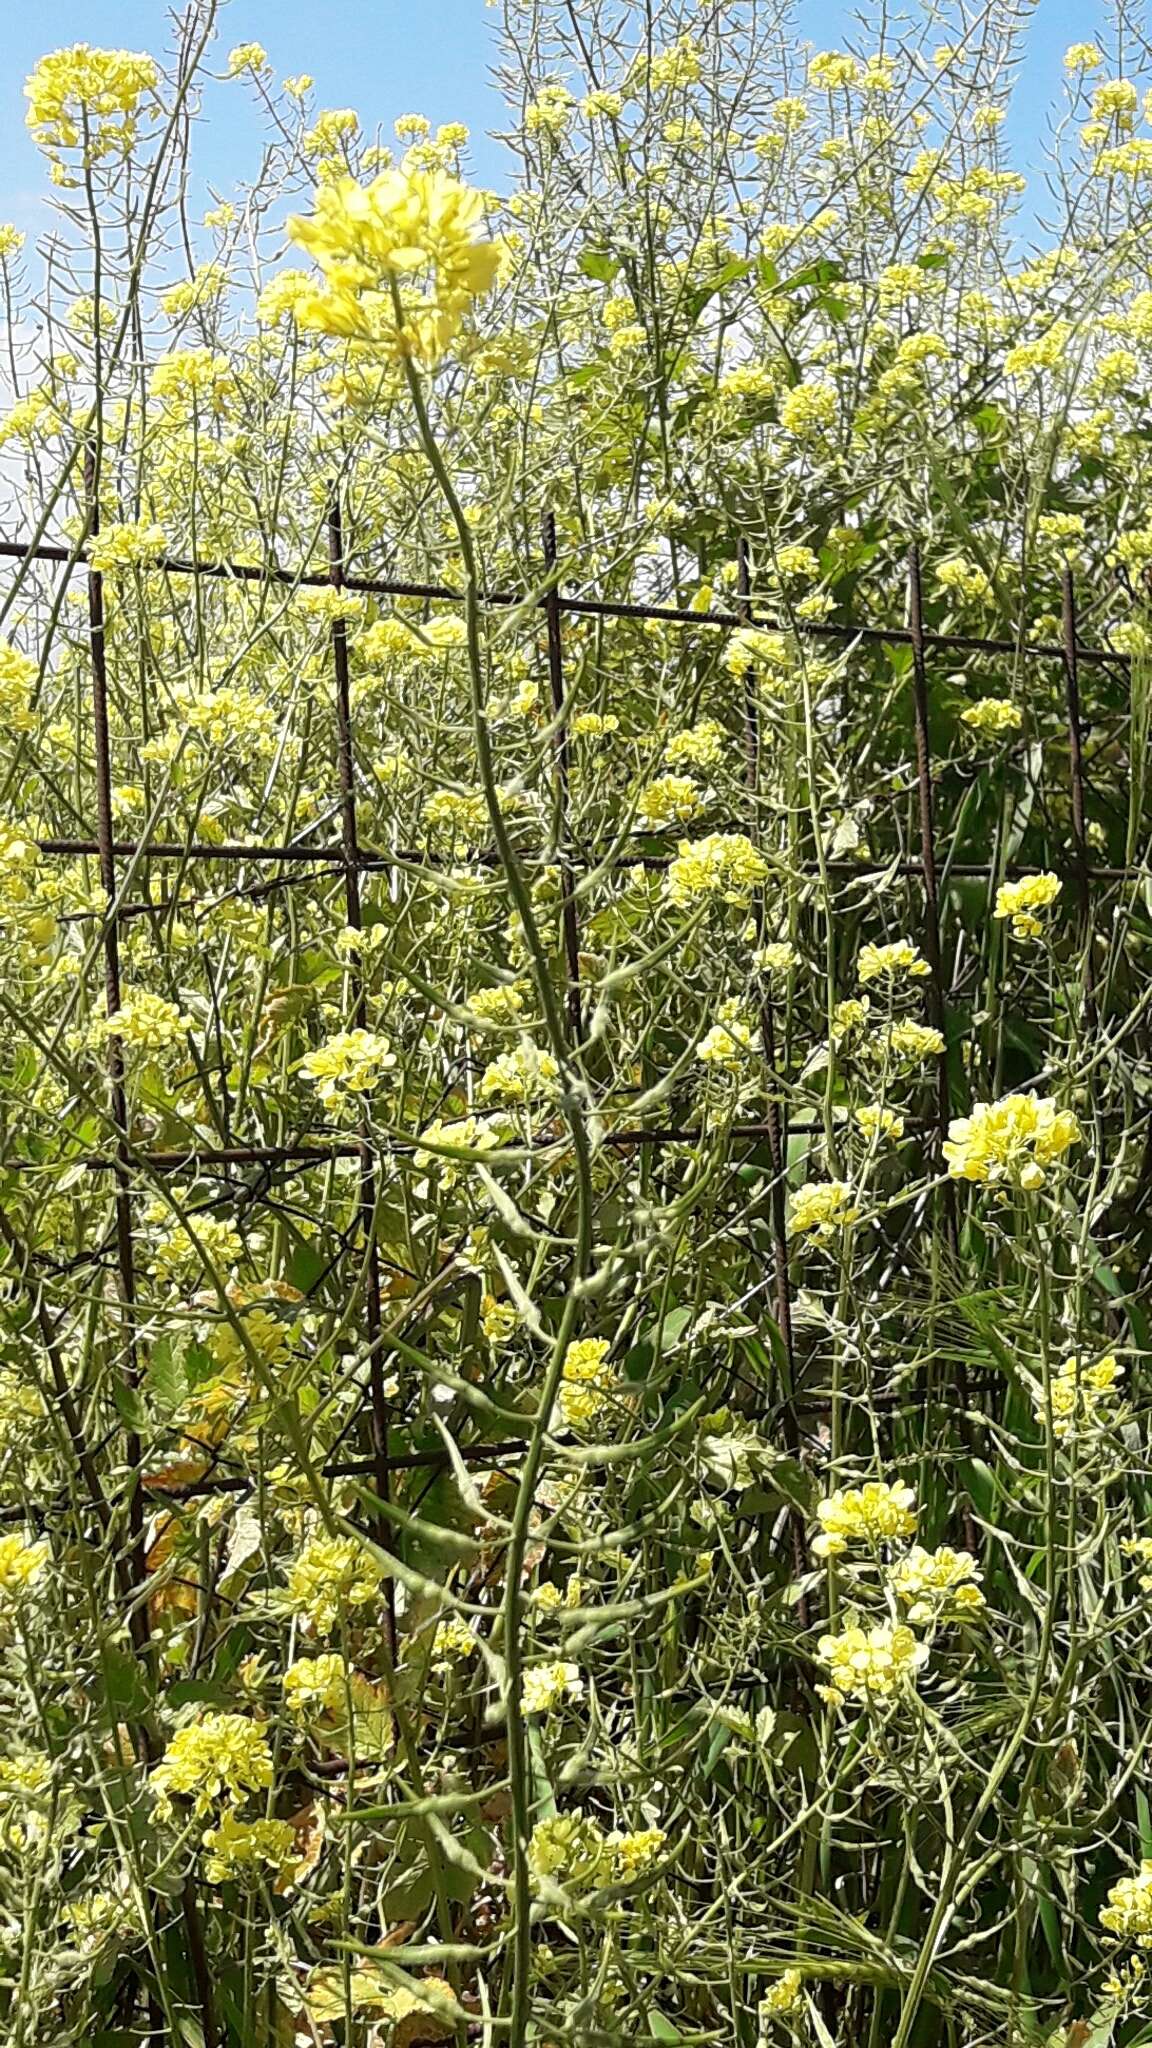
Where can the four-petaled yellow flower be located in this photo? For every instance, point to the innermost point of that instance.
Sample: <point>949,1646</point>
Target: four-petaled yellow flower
<point>1021,900</point>
<point>822,1208</point>
<point>869,1664</point>
<point>374,243</point>
<point>1010,1143</point>
<point>877,1512</point>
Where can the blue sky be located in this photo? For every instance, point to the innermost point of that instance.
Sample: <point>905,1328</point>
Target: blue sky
<point>383,57</point>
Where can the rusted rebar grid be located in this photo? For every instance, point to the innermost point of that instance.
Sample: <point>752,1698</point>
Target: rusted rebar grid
<point>775,1133</point>
<point>378,1418</point>
<point>561,754</point>
<point>589,607</point>
<point>118,1101</point>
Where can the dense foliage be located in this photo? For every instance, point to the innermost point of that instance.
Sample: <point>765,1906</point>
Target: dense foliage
<point>546,1496</point>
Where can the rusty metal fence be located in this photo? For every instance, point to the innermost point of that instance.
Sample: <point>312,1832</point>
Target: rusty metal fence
<point>350,859</point>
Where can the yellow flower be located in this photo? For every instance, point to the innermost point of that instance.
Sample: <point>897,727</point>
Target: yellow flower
<point>785,1996</point>
<point>877,1512</point>
<point>90,97</point>
<point>698,746</point>
<point>877,963</point>
<point>728,1043</point>
<point>498,1320</point>
<point>914,1042</point>
<point>20,1564</point>
<point>1021,900</point>
<point>328,1576</point>
<point>373,242</point>
<point>144,1023</point>
<point>831,68</point>
<point>189,379</point>
<point>595,725</point>
<point>724,865</point>
<point>822,1208</point>
<point>221,1757</point>
<point>670,799</point>
<point>586,1381</point>
<point>120,547</point>
<point>1128,1911</point>
<point>637,1851</point>
<point>870,1664</point>
<point>1010,1142</point>
<point>315,1686</point>
<point>1079,1395</point>
<point>937,1582</point>
<point>992,716</point>
<point>1083,57</point>
<point>351,1062</point>
<point>569,1849</point>
<point>808,409</point>
<point>242,1851</point>
<point>547,1686</point>
<point>247,57</point>
<point>877,1122</point>
<point>454,1641</point>
<point>520,1076</point>
<point>11,240</point>
<point>17,680</point>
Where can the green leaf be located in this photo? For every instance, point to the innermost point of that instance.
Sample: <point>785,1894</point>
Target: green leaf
<point>599,264</point>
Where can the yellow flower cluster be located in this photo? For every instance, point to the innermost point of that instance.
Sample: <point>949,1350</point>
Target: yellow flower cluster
<point>724,865</point>
<point>547,1686</point>
<point>349,1063</point>
<point>878,1512</point>
<point>992,716</point>
<point>133,543</point>
<point>914,1042</point>
<point>698,746</point>
<point>1079,1394</point>
<point>192,380</point>
<point>937,1583</point>
<point>752,650</point>
<point>220,1758</point>
<point>372,241</point>
<point>785,1996</point>
<point>576,1852</point>
<point>821,1208</point>
<point>17,680</point>
<point>317,1686</point>
<point>876,1122</point>
<point>523,1075</point>
<point>20,1564</point>
<point>890,962</point>
<point>244,1851</point>
<point>1011,1143</point>
<point>146,1024</point>
<point>869,1664</point>
<point>328,1576</point>
<point>728,1043</point>
<point>586,1382</point>
<point>1021,900</point>
<point>671,799</point>
<point>1128,1911</point>
<point>89,98</point>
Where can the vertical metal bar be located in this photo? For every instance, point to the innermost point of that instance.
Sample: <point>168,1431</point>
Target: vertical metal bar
<point>931,920</point>
<point>125,1250</point>
<point>346,767</point>
<point>1076,769</point>
<point>563,757</point>
<point>777,1136</point>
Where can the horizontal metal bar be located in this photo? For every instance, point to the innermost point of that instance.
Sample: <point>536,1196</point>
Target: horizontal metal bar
<point>607,608</point>
<point>306,1154</point>
<point>368,858</point>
